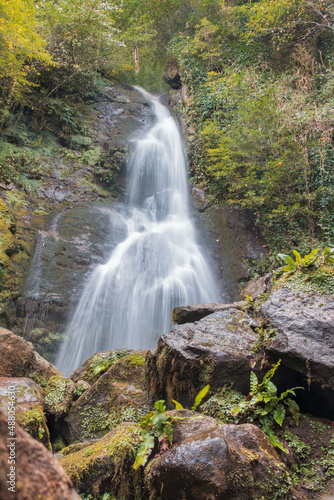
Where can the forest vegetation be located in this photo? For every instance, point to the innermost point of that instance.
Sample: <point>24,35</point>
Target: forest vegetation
<point>260,94</point>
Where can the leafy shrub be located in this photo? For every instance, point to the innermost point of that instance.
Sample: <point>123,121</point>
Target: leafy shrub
<point>263,404</point>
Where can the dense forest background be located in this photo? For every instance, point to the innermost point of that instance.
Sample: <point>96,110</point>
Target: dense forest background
<point>260,95</point>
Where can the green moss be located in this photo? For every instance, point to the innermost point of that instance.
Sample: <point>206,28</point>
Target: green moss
<point>73,448</point>
<point>39,379</point>
<point>57,394</point>
<point>94,421</point>
<point>33,421</point>
<point>99,364</point>
<point>317,280</point>
<point>108,461</point>
<point>311,447</point>
<point>58,444</point>
<point>135,360</point>
<point>17,200</point>
<point>221,403</point>
<point>127,414</point>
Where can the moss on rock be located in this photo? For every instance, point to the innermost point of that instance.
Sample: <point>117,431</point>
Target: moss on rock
<point>118,395</point>
<point>58,395</point>
<point>106,466</point>
<point>92,369</point>
<point>33,421</point>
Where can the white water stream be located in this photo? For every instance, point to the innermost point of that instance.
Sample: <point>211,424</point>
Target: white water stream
<point>127,302</point>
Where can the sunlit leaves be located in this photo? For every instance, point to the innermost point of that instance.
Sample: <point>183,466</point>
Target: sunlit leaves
<point>20,43</point>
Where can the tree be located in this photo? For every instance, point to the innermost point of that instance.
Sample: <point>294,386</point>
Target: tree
<point>20,46</point>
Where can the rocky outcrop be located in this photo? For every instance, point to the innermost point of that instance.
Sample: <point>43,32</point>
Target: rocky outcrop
<point>210,462</point>
<point>305,326</point>
<point>59,394</point>
<point>19,359</point>
<point>119,395</point>
<point>36,473</point>
<point>190,314</point>
<point>216,350</point>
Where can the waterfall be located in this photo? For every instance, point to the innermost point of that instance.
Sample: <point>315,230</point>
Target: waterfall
<point>127,302</point>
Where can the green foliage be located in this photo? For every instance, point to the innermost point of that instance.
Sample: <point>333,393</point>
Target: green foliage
<point>157,425</point>
<point>259,110</point>
<point>20,47</point>
<point>220,405</point>
<point>313,274</point>
<point>154,425</point>
<point>328,255</point>
<point>300,263</point>
<point>265,405</point>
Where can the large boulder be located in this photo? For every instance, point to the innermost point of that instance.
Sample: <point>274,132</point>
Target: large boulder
<point>216,350</point>
<point>218,462</point>
<point>19,359</point>
<point>34,473</point>
<point>26,399</point>
<point>119,395</point>
<point>105,466</point>
<point>305,326</point>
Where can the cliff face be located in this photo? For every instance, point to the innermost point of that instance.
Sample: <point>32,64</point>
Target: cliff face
<point>59,223</point>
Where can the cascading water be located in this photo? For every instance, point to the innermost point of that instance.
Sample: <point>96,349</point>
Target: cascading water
<point>127,302</point>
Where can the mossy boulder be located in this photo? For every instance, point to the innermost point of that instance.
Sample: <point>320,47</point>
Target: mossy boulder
<point>119,395</point>
<point>29,406</point>
<point>97,364</point>
<point>228,461</point>
<point>105,466</point>
<point>19,359</point>
<point>217,350</point>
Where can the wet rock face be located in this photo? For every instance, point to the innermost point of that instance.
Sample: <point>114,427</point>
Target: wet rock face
<point>76,240</point>
<point>232,241</point>
<point>37,473</point>
<point>19,359</point>
<point>305,324</point>
<point>29,406</point>
<point>216,350</point>
<point>210,462</point>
